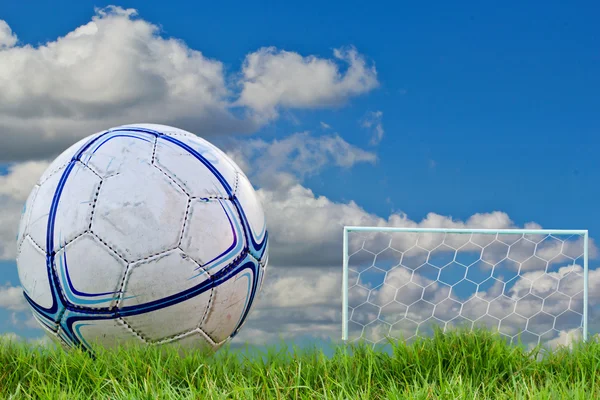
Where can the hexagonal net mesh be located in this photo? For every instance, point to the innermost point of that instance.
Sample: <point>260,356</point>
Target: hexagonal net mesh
<point>528,285</point>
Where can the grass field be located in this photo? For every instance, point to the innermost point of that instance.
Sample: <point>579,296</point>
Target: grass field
<point>457,365</point>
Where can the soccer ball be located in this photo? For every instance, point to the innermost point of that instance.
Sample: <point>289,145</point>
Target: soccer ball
<point>142,234</point>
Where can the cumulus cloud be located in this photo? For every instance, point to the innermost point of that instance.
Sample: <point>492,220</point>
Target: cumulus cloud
<point>549,310</point>
<point>11,297</point>
<point>272,78</point>
<point>306,228</point>
<point>20,179</point>
<point>10,337</point>
<point>300,154</point>
<point>295,302</point>
<point>42,341</point>
<point>7,37</point>
<point>565,338</point>
<point>114,69</point>
<point>118,69</point>
<point>24,319</point>
<point>373,122</point>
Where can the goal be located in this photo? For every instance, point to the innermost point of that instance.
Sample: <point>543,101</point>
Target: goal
<point>530,285</point>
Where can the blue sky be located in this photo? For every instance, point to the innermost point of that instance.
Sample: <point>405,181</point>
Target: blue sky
<point>485,107</point>
<point>502,98</point>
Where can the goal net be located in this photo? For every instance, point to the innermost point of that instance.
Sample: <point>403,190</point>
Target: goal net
<point>531,286</point>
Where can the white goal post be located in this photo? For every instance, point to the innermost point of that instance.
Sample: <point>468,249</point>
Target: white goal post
<point>529,283</point>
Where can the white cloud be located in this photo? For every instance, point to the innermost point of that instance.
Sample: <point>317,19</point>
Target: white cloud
<point>118,69</point>
<point>310,287</point>
<point>373,122</point>
<point>7,37</point>
<point>24,320</point>
<point>554,295</point>
<point>114,69</point>
<point>20,179</point>
<point>295,302</point>
<point>299,154</point>
<point>11,297</point>
<point>272,78</point>
<point>306,228</point>
<point>42,341</point>
<point>9,221</point>
<point>565,338</point>
<point>10,337</point>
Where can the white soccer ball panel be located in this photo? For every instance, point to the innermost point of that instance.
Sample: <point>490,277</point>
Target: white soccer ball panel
<point>140,212</point>
<point>40,209</point>
<point>74,209</point>
<point>252,208</point>
<point>119,151</point>
<point>264,262</point>
<point>192,173</point>
<point>219,160</point>
<point>159,277</point>
<point>190,342</point>
<point>172,320</point>
<point>164,129</point>
<point>229,301</point>
<point>213,235</point>
<point>262,271</point>
<point>33,273</point>
<point>90,274</point>
<point>65,157</point>
<point>107,333</point>
<point>25,215</point>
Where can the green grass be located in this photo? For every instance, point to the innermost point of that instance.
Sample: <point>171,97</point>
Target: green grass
<point>457,365</point>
